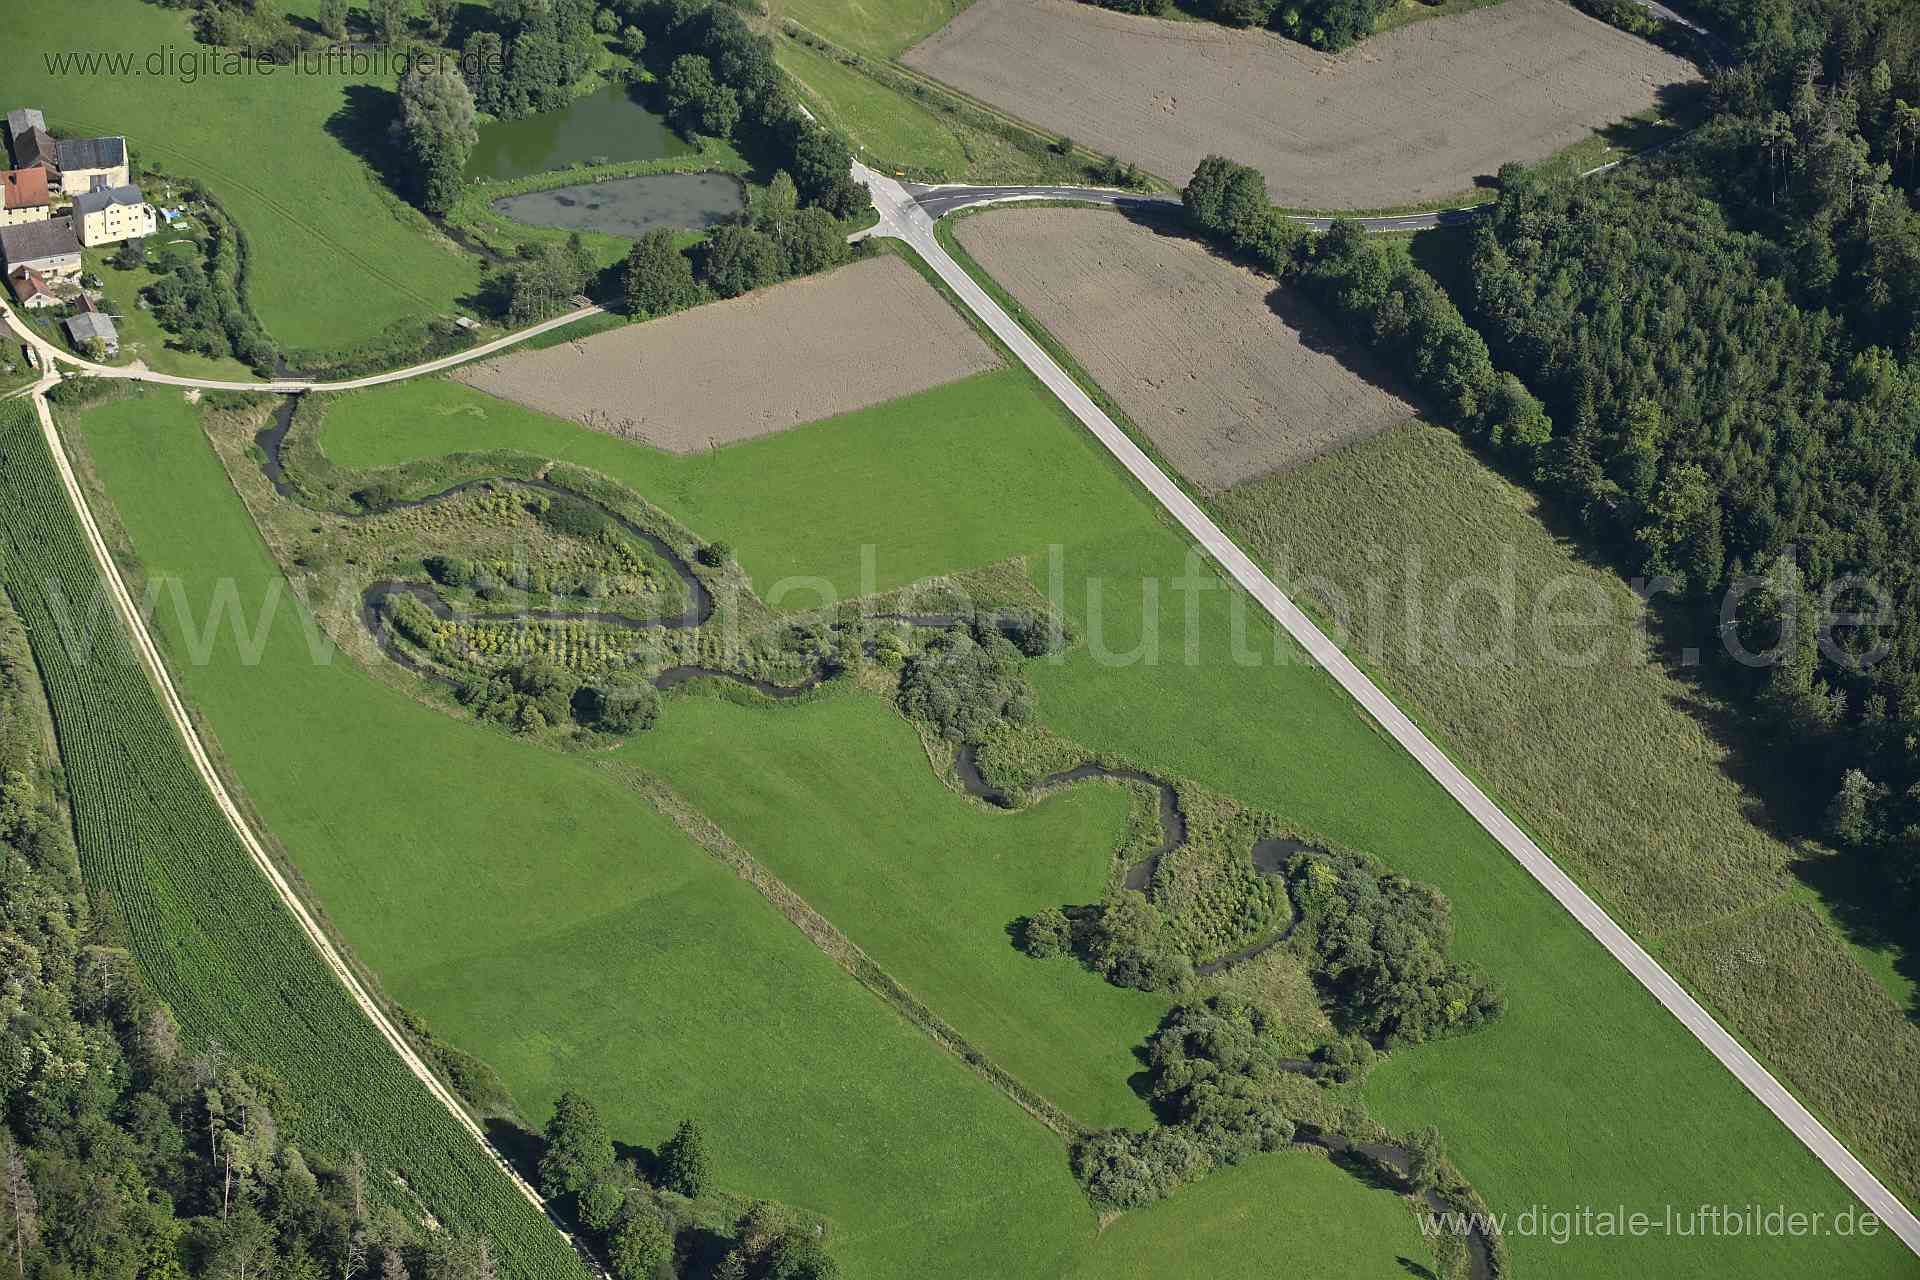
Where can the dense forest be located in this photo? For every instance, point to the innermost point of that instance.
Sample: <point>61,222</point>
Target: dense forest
<point>1727,338</point>
<point>1712,357</point>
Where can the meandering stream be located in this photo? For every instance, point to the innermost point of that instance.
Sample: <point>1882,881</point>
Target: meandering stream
<point>1269,856</point>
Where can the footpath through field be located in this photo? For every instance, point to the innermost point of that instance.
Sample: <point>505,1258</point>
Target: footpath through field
<point>903,218</point>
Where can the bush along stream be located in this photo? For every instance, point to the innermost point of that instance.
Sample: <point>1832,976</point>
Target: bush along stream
<point>1212,902</point>
<point>587,663</point>
<point>1206,899</point>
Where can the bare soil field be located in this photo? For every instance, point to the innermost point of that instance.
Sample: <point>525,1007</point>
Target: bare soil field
<point>1414,115</point>
<point>1229,377</point>
<point>797,352</point>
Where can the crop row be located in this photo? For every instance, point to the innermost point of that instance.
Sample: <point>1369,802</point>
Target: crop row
<point>205,927</point>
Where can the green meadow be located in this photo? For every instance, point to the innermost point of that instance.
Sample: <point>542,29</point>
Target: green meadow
<point>894,487</point>
<point>540,914</point>
<point>876,28</point>
<point>1586,1093</point>
<point>1261,1220</point>
<point>836,798</point>
<point>536,912</point>
<point>336,258</point>
<point>888,127</point>
<point>1610,756</point>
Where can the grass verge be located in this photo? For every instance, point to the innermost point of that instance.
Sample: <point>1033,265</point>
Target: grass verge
<point>1621,767</point>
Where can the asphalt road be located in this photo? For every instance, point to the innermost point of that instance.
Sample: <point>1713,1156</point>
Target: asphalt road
<point>902,216</point>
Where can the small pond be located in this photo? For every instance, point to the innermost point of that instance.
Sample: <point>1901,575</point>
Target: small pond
<point>631,206</point>
<point>606,126</point>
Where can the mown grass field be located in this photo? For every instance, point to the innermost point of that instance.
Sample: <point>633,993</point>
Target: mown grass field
<point>336,257</point>
<point>896,482</point>
<point>1255,1222</point>
<point>1585,1093</point>
<point>538,914</point>
<point>592,945</point>
<point>1608,756</point>
<point>837,799</point>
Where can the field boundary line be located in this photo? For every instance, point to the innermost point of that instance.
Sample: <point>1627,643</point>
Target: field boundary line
<point>203,764</point>
<point>903,219</point>
<point>842,950</point>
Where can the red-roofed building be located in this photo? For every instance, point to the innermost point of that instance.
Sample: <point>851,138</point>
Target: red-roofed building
<point>30,289</point>
<point>23,196</point>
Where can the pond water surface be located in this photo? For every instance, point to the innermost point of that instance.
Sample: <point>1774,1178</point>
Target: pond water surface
<point>631,206</point>
<point>606,126</point>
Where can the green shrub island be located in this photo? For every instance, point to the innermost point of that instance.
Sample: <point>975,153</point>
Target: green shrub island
<point>1229,1076</point>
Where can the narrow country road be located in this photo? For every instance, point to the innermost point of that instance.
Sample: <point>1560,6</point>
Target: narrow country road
<point>939,201</point>
<point>149,654</point>
<point>50,354</point>
<point>902,217</point>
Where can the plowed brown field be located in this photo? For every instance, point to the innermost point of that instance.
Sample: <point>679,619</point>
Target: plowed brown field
<point>1414,115</point>
<point>1228,376</point>
<point>794,353</point>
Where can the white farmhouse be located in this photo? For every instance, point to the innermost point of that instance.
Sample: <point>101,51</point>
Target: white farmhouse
<point>108,215</point>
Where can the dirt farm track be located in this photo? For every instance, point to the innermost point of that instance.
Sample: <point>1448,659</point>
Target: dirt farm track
<point>794,353</point>
<point>1229,377</point>
<point>1417,114</point>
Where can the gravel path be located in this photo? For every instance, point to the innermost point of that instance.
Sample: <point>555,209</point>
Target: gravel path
<point>203,764</point>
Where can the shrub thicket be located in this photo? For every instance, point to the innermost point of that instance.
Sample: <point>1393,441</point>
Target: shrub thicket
<point>1381,945</point>
<point>965,688</point>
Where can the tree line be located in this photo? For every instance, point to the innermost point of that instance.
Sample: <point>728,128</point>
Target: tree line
<point>1331,25</point>
<point>642,1215</point>
<point>1729,337</point>
<point>1382,296</point>
<point>774,240</point>
<point>201,300</point>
